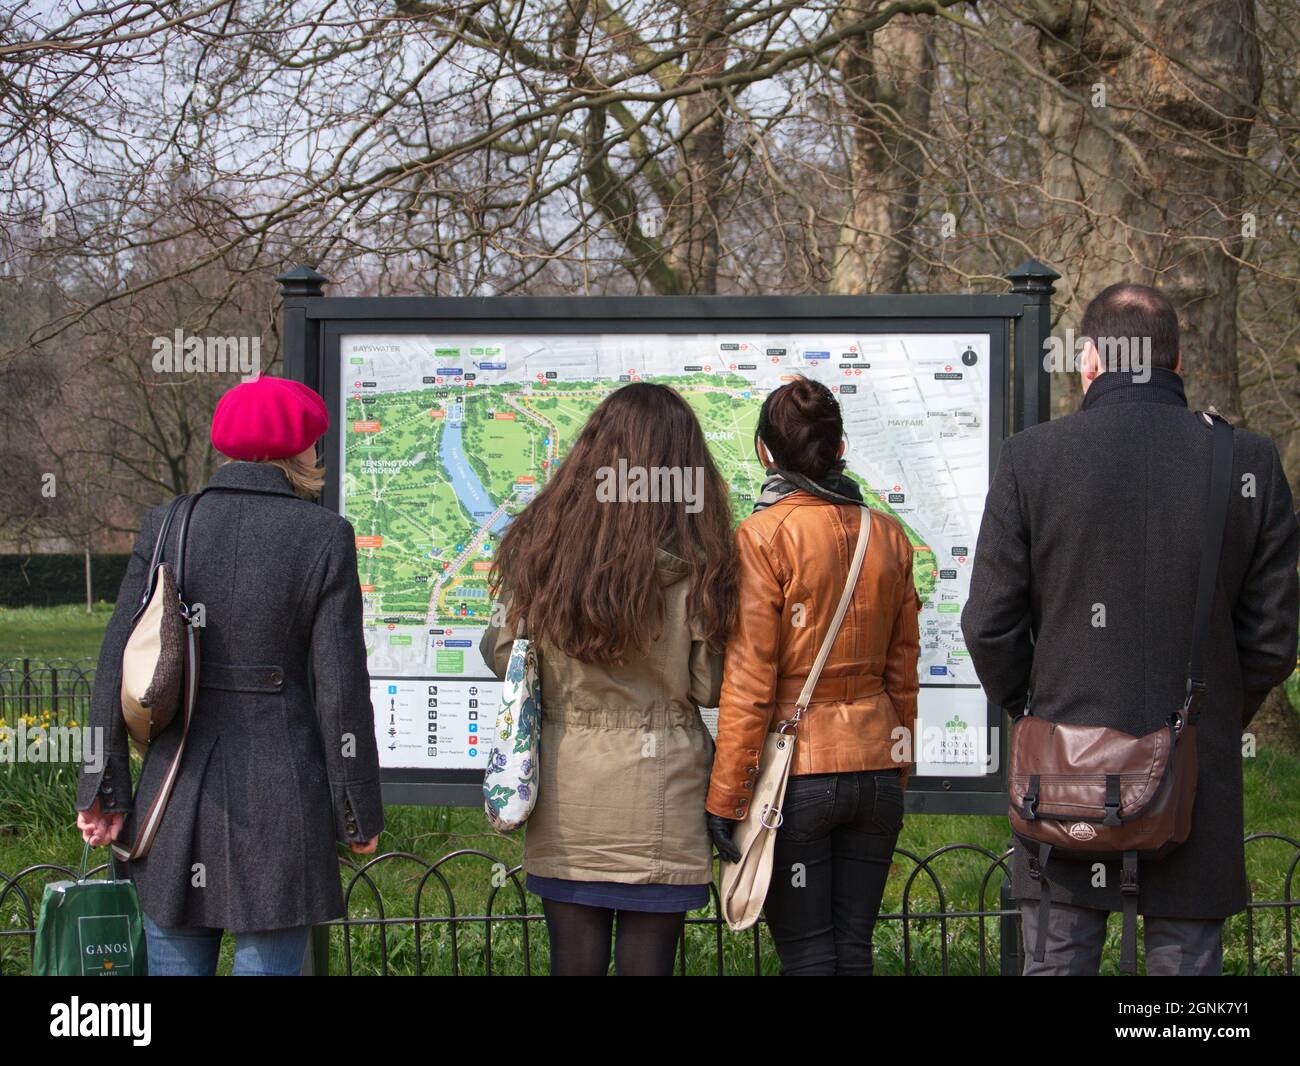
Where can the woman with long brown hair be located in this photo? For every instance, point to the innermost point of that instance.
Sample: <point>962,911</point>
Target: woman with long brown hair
<point>623,571</point>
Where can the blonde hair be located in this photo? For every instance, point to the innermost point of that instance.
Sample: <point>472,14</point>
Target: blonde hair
<point>306,479</point>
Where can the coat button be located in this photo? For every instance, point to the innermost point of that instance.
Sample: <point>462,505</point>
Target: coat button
<point>747,784</point>
<point>107,790</point>
<point>277,678</point>
<point>752,771</point>
<point>740,812</point>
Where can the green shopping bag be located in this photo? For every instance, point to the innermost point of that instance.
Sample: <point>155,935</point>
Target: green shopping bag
<point>89,929</point>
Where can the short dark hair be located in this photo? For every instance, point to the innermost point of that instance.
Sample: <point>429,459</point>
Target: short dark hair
<point>802,427</point>
<point>1125,310</point>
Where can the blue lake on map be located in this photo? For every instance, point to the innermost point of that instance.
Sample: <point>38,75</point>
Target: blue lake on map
<point>464,481</point>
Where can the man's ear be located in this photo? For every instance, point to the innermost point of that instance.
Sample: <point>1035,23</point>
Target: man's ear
<point>1089,362</point>
<point>843,444</point>
<point>764,456</point>
<point>1178,363</point>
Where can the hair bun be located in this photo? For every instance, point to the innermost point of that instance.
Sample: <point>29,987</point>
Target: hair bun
<point>802,427</point>
<point>808,399</point>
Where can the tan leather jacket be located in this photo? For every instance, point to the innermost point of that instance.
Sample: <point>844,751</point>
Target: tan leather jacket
<point>794,560</point>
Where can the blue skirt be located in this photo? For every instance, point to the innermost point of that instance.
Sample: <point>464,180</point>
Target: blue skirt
<point>614,895</point>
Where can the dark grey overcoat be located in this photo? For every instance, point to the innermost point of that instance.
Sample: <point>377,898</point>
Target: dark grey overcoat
<point>271,778</point>
<point>1103,510</point>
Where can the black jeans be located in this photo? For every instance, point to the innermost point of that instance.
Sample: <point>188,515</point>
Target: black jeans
<point>831,860</point>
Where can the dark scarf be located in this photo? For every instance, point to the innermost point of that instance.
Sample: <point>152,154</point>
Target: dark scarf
<point>836,487</point>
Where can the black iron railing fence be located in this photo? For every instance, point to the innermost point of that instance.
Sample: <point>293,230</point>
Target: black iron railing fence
<point>466,912</point>
<point>404,916</point>
<point>56,691</point>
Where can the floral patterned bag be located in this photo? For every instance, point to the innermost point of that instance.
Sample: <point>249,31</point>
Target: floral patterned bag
<point>510,782</point>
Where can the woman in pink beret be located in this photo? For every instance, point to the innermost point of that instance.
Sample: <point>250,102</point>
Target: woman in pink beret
<point>279,760</point>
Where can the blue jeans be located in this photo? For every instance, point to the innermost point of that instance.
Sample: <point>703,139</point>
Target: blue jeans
<point>193,952</point>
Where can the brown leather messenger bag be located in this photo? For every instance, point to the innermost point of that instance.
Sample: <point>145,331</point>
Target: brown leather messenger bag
<point>1094,793</point>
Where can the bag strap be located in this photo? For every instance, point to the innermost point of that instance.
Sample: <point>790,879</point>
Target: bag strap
<point>147,827</point>
<point>182,539</point>
<point>1211,550</point>
<point>846,597</point>
<point>155,560</point>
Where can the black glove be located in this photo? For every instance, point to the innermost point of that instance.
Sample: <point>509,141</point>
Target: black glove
<point>720,830</point>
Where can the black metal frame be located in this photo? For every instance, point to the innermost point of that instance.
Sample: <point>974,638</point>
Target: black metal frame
<point>1017,323</point>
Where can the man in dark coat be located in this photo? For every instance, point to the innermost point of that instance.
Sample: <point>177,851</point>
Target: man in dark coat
<point>280,761</point>
<point>1082,595</point>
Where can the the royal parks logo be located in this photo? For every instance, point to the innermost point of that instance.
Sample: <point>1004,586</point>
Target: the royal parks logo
<point>105,945</point>
<point>955,724</point>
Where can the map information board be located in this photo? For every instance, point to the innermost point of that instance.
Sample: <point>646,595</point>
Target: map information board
<point>446,436</point>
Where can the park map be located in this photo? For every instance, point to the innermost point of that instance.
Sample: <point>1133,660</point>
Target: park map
<point>446,437</point>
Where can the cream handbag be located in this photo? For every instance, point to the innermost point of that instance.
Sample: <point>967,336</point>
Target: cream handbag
<point>744,883</point>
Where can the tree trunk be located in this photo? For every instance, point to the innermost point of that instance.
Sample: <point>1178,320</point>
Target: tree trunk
<point>701,156</point>
<point>90,593</point>
<point>888,77</point>
<point>1143,171</point>
<point>1276,725</point>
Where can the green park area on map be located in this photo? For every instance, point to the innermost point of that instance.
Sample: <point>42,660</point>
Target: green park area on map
<point>424,555</point>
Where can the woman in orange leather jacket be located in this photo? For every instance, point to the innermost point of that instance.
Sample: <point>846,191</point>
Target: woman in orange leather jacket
<point>843,807</point>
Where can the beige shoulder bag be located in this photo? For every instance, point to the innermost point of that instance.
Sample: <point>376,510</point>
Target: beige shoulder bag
<point>160,669</point>
<point>744,883</point>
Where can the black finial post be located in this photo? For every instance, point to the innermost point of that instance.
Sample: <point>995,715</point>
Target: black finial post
<point>300,333</point>
<point>302,281</point>
<point>1036,283</point>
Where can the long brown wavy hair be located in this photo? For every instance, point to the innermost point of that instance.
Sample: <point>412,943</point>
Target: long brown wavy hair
<point>580,570</point>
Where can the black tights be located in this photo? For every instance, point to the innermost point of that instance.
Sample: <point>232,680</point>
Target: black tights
<point>644,942</point>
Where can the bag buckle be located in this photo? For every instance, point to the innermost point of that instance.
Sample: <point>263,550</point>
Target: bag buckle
<point>1192,701</point>
<point>769,809</point>
<point>1128,881</point>
<point>1029,805</point>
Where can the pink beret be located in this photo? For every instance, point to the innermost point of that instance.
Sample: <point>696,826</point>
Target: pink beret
<point>269,418</point>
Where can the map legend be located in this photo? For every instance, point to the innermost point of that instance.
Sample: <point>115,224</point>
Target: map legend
<point>433,722</point>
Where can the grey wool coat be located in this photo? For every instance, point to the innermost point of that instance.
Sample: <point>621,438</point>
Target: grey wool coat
<point>272,776</point>
<point>1103,511</point>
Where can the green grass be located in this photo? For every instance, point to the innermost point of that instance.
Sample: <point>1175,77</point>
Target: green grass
<point>52,632</point>
<point>36,827</point>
